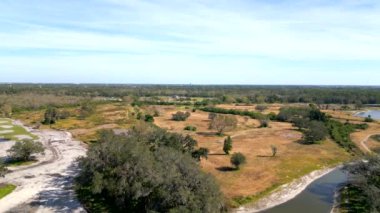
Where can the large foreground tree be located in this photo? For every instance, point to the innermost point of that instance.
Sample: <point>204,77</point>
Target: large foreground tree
<point>149,170</point>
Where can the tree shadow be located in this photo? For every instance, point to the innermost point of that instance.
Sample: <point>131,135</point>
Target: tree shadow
<point>207,134</point>
<point>217,154</point>
<point>61,198</point>
<point>4,140</point>
<point>264,156</point>
<point>226,169</point>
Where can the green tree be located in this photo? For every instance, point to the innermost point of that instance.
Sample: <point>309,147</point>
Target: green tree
<point>237,159</point>
<point>132,176</point>
<point>227,145</point>
<point>200,153</point>
<point>25,149</point>
<point>315,132</point>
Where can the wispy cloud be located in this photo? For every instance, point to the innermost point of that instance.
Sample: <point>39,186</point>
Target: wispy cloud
<point>216,35</point>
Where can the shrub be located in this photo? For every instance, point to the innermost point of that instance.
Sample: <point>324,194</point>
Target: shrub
<point>200,153</point>
<point>261,108</point>
<point>23,150</point>
<point>149,118</point>
<point>180,116</point>
<point>264,123</point>
<point>274,150</point>
<point>190,128</point>
<point>237,159</point>
<point>368,119</point>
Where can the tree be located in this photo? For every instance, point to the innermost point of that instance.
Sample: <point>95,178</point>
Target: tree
<point>50,116</point>
<point>223,123</point>
<point>23,150</point>
<point>315,132</point>
<point>237,159</point>
<point>274,150</point>
<point>200,153</point>
<point>227,145</point>
<point>3,169</point>
<point>180,116</point>
<point>131,176</point>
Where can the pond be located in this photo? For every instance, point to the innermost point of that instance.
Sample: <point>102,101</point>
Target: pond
<point>375,114</point>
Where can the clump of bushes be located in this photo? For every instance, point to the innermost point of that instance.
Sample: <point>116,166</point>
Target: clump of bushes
<point>190,128</point>
<point>149,118</point>
<point>181,116</point>
<point>24,150</point>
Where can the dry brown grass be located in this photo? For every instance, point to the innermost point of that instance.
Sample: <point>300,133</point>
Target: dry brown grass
<point>261,172</point>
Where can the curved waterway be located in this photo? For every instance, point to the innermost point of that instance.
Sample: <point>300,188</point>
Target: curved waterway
<point>318,197</point>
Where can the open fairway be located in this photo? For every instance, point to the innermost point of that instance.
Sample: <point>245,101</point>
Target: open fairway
<point>6,189</point>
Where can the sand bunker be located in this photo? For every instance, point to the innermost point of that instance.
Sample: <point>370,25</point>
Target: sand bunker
<point>6,126</point>
<point>6,131</point>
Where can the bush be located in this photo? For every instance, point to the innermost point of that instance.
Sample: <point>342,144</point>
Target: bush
<point>200,153</point>
<point>223,123</point>
<point>264,123</point>
<point>146,172</point>
<point>180,116</point>
<point>368,119</point>
<point>190,128</point>
<point>237,159</point>
<point>23,150</point>
<point>149,118</point>
<point>316,131</point>
<point>261,108</point>
<point>50,116</point>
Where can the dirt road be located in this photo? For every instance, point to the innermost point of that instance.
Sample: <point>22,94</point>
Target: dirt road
<point>46,186</point>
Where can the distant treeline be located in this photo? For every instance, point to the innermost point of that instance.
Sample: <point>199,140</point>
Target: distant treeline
<point>222,93</point>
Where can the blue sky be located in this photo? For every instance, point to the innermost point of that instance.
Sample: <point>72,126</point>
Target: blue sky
<point>199,41</point>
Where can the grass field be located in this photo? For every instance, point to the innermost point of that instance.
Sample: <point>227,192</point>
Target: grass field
<point>6,189</point>
<point>262,173</point>
<point>9,131</point>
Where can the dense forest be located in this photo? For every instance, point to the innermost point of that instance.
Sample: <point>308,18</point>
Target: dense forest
<point>219,93</point>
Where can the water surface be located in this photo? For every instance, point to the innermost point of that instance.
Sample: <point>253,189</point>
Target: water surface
<point>318,197</point>
<point>375,114</point>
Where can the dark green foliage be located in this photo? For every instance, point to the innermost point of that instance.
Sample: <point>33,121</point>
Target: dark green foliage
<point>149,118</point>
<point>364,186</point>
<point>290,113</point>
<point>190,128</point>
<point>368,119</point>
<point>200,153</point>
<point>50,116</point>
<point>227,145</point>
<point>238,159</point>
<point>253,115</point>
<point>341,133</point>
<point>180,116</point>
<point>317,115</point>
<point>23,150</point>
<point>316,131</point>
<point>144,172</point>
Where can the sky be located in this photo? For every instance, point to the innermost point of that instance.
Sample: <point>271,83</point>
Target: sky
<point>296,42</point>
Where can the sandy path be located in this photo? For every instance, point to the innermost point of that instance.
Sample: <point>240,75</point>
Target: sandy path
<point>365,140</point>
<point>46,186</point>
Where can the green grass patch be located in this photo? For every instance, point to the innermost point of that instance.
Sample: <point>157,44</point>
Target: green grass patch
<point>6,189</point>
<point>20,163</point>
